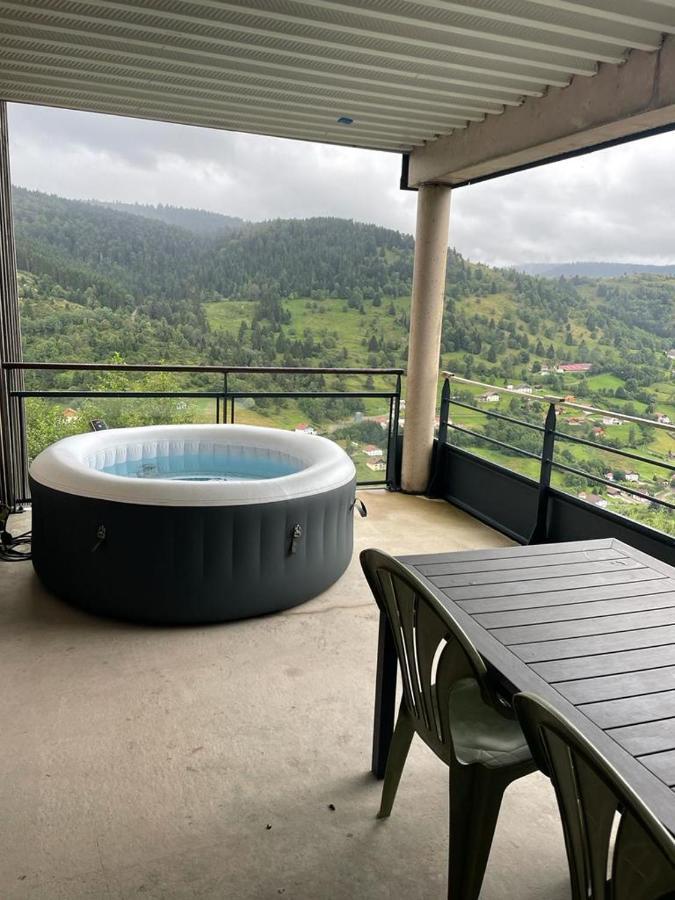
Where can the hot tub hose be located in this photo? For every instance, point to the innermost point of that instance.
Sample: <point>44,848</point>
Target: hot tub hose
<point>13,548</point>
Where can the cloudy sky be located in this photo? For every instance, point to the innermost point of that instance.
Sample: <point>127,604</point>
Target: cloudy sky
<point>612,205</point>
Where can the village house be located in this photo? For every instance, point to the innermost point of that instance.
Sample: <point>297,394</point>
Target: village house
<point>489,397</point>
<point>594,499</point>
<point>523,389</point>
<point>70,415</point>
<point>571,368</point>
<point>663,419</point>
<point>303,428</point>
<point>611,420</point>
<point>632,476</point>
<point>372,450</point>
<point>376,466</point>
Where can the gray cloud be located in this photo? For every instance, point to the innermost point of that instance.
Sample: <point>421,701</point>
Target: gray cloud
<point>611,205</point>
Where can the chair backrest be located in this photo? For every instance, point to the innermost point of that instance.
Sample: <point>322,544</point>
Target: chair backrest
<point>433,651</point>
<point>617,849</point>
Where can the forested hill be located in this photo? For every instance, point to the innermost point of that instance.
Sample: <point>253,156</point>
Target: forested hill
<point>131,259</point>
<point>595,269</point>
<point>318,291</point>
<point>102,255</point>
<point>199,221</point>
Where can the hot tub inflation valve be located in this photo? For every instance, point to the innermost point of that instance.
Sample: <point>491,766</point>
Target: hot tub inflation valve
<point>100,537</point>
<point>296,534</point>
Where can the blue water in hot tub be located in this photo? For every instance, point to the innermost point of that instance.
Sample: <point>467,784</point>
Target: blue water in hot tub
<point>206,467</point>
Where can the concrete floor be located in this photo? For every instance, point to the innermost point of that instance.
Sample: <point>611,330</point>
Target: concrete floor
<point>202,762</point>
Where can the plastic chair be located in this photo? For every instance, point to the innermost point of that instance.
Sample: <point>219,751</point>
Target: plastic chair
<point>639,862</point>
<point>451,704</point>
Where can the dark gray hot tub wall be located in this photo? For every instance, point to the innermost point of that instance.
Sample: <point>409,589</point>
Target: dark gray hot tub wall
<point>190,565</point>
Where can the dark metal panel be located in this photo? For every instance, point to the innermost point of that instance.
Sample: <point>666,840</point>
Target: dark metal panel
<point>507,501</point>
<point>508,504</point>
<point>572,519</point>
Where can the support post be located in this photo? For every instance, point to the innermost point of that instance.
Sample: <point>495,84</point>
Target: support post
<point>426,319</point>
<point>392,439</point>
<point>12,440</point>
<point>443,419</point>
<point>540,533</point>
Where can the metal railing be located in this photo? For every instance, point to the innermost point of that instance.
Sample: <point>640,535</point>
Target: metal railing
<point>225,398</point>
<point>550,435</point>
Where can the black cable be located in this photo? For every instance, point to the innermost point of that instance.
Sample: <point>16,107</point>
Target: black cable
<point>13,548</point>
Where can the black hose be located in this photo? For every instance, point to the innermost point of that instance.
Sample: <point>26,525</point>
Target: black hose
<point>13,548</point>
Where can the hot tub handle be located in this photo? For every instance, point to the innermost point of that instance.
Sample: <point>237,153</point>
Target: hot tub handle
<point>100,537</point>
<point>296,534</point>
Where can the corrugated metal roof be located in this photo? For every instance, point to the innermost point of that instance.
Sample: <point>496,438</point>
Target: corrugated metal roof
<point>405,71</point>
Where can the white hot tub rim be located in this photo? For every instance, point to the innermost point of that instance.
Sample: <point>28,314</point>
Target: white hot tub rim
<point>73,465</point>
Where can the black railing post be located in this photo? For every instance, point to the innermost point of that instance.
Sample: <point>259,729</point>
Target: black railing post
<point>540,532</point>
<point>392,437</point>
<point>225,395</point>
<point>444,414</point>
<point>443,418</point>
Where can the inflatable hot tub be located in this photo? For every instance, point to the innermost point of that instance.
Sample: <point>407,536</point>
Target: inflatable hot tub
<point>191,523</point>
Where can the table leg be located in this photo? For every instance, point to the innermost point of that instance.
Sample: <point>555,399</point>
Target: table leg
<point>385,697</point>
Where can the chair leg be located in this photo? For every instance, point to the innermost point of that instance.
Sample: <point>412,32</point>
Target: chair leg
<point>475,799</point>
<point>398,753</point>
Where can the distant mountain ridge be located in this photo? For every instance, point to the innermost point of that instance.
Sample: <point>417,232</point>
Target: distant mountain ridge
<point>593,269</point>
<point>201,222</point>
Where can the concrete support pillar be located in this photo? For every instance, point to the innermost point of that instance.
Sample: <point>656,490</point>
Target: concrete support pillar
<point>426,317</point>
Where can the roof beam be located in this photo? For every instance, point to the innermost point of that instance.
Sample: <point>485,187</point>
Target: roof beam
<point>341,137</point>
<point>85,59</point>
<point>579,61</point>
<point>258,116</point>
<point>524,81</point>
<point>619,103</point>
<point>176,86</point>
<point>483,9</point>
<point>628,12</point>
<point>410,84</point>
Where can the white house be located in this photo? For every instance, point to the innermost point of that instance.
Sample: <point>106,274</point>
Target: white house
<point>372,451</point>
<point>663,419</point>
<point>377,466</point>
<point>489,397</point>
<point>524,389</point>
<point>632,476</point>
<point>610,420</point>
<point>303,428</point>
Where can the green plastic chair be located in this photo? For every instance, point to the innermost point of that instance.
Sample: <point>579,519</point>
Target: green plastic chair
<point>452,705</point>
<point>639,864</point>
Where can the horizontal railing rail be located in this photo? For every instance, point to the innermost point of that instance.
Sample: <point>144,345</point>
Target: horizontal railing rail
<point>550,434</point>
<point>217,370</point>
<point>225,397</point>
<point>560,401</point>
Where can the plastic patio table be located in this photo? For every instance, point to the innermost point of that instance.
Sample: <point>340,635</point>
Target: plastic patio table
<point>587,625</point>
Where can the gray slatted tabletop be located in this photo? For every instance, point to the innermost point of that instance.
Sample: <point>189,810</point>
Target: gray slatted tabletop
<point>590,626</point>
